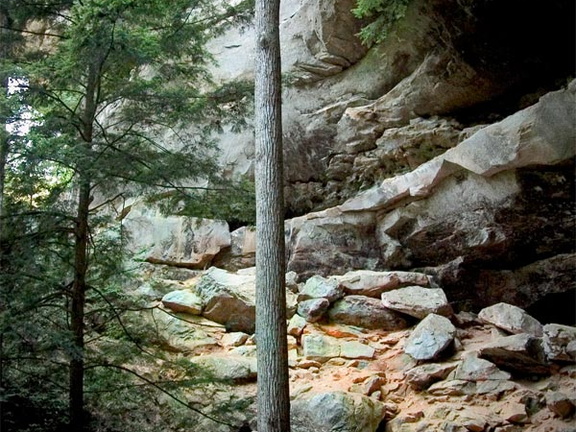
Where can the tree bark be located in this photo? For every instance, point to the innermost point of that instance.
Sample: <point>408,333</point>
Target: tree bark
<point>273,384</point>
<point>78,295</point>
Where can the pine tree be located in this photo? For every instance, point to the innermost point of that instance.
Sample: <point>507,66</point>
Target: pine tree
<point>116,79</point>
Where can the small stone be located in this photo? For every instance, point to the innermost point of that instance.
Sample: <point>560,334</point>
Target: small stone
<point>234,339</point>
<point>296,325</point>
<point>560,404</point>
<point>313,310</point>
<point>356,350</point>
<point>423,376</point>
<point>514,412</point>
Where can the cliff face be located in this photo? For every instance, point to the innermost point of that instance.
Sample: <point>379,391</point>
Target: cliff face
<point>439,148</point>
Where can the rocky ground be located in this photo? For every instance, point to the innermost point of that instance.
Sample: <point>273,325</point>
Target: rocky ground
<point>426,369</point>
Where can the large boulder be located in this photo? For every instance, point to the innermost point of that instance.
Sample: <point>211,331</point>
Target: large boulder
<point>336,411</point>
<point>417,301</point>
<point>228,299</point>
<point>366,312</point>
<point>183,332</point>
<point>511,319</point>
<point>175,240</point>
<point>430,338</point>
<point>373,283</point>
<point>520,354</point>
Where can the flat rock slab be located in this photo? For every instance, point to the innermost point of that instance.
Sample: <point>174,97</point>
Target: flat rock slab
<point>320,287</point>
<point>417,301</point>
<point>472,368</point>
<point>521,353</point>
<point>366,312</point>
<point>511,319</point>
<point>423,376</point>
<point>373,283</point>
<point>184,301</point>
<point>228,367</point>
<point>430,337</point>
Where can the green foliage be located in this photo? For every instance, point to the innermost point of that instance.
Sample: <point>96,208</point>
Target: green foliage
<point>122,101</point>
<point>383,14</point>
<point>232,201</point>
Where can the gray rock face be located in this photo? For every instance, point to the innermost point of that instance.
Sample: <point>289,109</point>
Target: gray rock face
<point>228,299</point>
<point>560,342</point>
<point>365,312</point>
<point>560,404</point>
<point>473,368</point>
<point>430,338</point>
<point>175,240</point>
<point>230,367</point>
<point>320,348</point>
<point>374,283</point>
<point>511,319</point>
<point>313,310</point>
<point>184,333</point>
<point>183,301</point>
<point>417,301</point>
<point>423,376</point>
<point>520,353</point>
<point>319,287</point>
<point>331,243</point>
<point>336,411</point>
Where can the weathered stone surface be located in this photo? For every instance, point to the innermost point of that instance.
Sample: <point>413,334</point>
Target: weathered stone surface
<point>234,339</point>
<point>356,350</point>
<point>320,348</point>
<point>374,283</point>
<point>184,301</point>
<point>417,301</point>
<point>423,376</point>
<point>557,339</point>
<point>520,353</point>
<point>336,411</point>
<point>472,368</point>
<point>184,333</point>
<point>430,338</point>
<point>241,253</point>
<point>560,404</point>
<point>536,282</point>
<point>228,367</point>
<point>296,325</point>
<point>175,240</point>
<point>228,299</point>
<point>511,319</point>
<point>541,134</point>
<point>313,310</point>
<point>366,312</point>
<point>319,287</point>
<point>330,243</point>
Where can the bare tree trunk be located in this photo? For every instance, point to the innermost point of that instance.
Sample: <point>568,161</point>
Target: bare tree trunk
<point>78,295</point>
<point>273,384</point>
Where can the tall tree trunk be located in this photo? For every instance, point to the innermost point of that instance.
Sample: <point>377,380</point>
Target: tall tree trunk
<point>273,384</point>
<point>4,148</point>
<point>78,295</point>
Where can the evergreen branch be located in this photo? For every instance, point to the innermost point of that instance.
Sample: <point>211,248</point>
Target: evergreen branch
<point>163,390</point>
<point>15,30</point>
